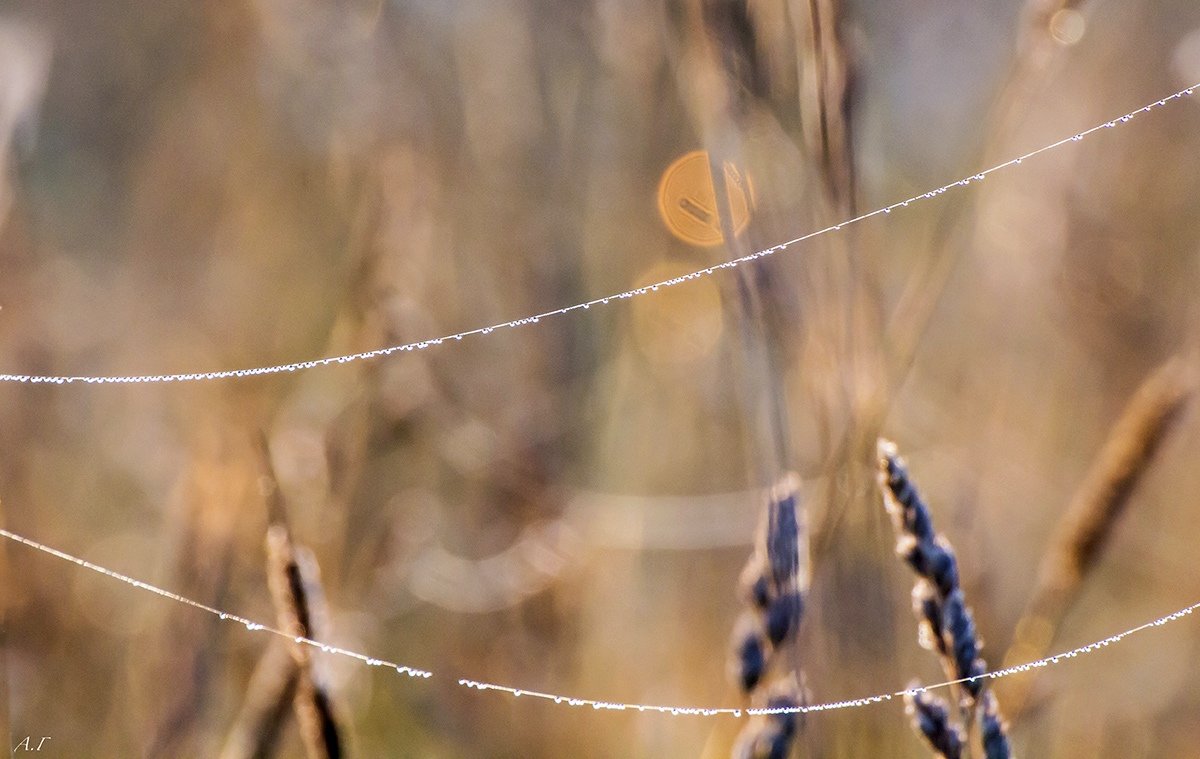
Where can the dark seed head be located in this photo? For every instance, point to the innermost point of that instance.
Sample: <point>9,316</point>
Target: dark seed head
<point>751,659</point>
<point>995,742</point>
<point>931,717</point>
<point>783,540</point>
<point>783,617</point>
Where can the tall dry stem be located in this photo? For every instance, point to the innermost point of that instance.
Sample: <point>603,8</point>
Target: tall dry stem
<point>293,580</point>
<point>265,711</point>
<point>1093,513</point>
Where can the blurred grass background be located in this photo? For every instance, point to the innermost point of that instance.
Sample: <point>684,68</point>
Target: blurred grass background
<point>566,507</point>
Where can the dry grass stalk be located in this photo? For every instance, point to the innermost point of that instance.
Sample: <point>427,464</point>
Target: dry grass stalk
<point>295,583</point>
<point>725,67</point>
<point>6,602</point>
<point>825,101</point>
<point>948,627</point>
<point>774,584</point>
<point>292,575</point>
<point>1093,513</point>
<point>213,489</point>
<point>268,703</point>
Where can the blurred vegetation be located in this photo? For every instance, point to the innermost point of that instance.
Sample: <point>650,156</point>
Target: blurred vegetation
<point>191,186</point>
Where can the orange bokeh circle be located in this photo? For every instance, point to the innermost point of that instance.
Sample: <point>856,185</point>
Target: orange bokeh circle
<point>688,203</point>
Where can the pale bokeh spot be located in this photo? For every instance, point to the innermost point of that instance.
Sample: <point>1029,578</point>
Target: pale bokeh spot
<point>680,325</point>
<point>1067,26</point>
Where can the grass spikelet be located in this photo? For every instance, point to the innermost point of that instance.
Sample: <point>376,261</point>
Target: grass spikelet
<point>783,534</point>
<point>946,623</point>
<point>993,730</point>
<point>943,609</point>
<point>931,718</point>
<point>773,587</point>
<point>770,736</point>
<point>755,585</point>
<point>783,616</point>
<point>750,650</point>
<point>929,615</point>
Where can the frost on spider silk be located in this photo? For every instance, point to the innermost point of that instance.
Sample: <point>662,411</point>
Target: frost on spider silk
<point>990,719</point>
<point>602,301</point>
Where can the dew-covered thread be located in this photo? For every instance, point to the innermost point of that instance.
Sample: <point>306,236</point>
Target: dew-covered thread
<point>585,702</point>
<point>36,379</point>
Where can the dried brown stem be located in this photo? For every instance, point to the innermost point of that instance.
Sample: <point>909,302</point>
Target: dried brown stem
<point>292,576</point>
<point>825,97</point>
<point>1093,513</point>
<point>264,713</point>
<point>295,582</point>
<point>6,590</point>
<point>214,487</point>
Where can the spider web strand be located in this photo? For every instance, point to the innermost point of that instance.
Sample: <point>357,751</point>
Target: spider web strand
<point>604,301</point>
<point>586,702</point>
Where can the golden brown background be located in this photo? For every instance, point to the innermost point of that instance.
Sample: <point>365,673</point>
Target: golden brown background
<point>192,186</point>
